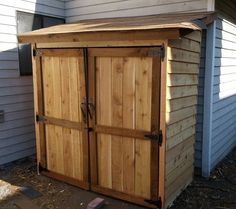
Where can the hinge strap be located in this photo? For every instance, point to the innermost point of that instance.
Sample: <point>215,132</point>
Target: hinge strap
<point>37,52</point>
<point>157,53</point>
<point>40,118</point>
<point>155,136</point>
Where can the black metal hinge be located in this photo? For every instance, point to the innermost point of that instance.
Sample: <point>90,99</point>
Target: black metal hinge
<point>37,52</point>
<point>40,118</point>
<point>41,168</point>
<point>157,53</point>
<point>156,136</point>
<point>157,203</point>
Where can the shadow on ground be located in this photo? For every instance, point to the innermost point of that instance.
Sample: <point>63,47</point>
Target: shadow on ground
<point>218,192</point>
<point>55,194</point>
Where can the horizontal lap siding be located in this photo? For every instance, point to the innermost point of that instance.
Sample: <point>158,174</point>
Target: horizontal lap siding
<point>17,137</point>
<point>182,98</point>
<point>90,9</point>
<point>199,126</point>
<point>224,92</point>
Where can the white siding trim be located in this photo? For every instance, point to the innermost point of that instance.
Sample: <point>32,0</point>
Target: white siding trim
<point>208,100</point>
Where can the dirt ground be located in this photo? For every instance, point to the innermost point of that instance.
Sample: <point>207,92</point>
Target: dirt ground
<point>218,192</point>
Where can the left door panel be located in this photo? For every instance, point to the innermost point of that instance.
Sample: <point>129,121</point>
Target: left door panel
<point>64,114</point>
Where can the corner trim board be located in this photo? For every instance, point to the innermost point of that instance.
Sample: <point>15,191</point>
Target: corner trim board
<point>208,100</point>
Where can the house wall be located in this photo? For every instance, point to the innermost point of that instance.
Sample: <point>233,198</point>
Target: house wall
<point>227,9</point>
<point>17,138</point>
<point>224,91</point>
<point>219,131</point>
<point>182,90</point>
<point>90,9</point>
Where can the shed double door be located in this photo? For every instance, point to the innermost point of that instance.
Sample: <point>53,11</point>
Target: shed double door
<point>101,115</point>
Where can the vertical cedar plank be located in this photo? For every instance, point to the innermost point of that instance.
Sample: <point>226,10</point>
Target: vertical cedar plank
<point>65,114</point>
<point>143,116</point>
<point>49,106</point>
<point>128,122</point>
<point>47,86</point>
<point>57,110</point>
<point>155,117</point>
<point>104,103</point>
<point>117,120</point>
<point>75,135</point>
<point>39,109</point>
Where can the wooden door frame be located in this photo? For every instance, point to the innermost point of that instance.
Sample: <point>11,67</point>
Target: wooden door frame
<point>39,110</point>
<point>155,122</point>
<point>42,120</point>
<point>163,126</point>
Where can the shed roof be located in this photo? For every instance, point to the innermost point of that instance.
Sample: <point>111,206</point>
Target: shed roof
<point>193,21</point>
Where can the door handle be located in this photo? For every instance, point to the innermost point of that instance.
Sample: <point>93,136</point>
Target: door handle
<point>83,108</point>
<point>91,109</point>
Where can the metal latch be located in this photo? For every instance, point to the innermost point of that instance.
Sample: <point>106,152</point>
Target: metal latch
<point>157,203</point>
<point>155,136</point>
<point>40,118</point>
<point>89,129</point>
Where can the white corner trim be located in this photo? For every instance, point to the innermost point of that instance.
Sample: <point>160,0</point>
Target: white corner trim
<point>208,100</point>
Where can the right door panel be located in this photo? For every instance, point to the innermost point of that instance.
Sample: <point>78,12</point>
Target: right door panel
<point>125,112</point>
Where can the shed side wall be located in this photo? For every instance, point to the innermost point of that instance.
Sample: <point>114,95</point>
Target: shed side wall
<point>17,137</point>
<point>182,89</point>
<point>90,9</point>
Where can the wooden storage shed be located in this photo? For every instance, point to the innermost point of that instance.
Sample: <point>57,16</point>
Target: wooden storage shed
<point>115,104</point>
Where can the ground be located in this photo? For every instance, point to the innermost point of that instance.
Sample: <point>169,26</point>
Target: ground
<point>218,192</point>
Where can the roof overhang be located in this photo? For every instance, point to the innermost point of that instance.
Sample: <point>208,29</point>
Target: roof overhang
<point>165,26</point>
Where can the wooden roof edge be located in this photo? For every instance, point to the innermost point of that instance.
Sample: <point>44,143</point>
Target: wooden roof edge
<point>63,33</point>
<point>103,36</point>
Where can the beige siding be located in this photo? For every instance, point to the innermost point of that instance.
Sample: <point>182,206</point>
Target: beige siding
<point>182,90</point>
<point>90,9</point>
